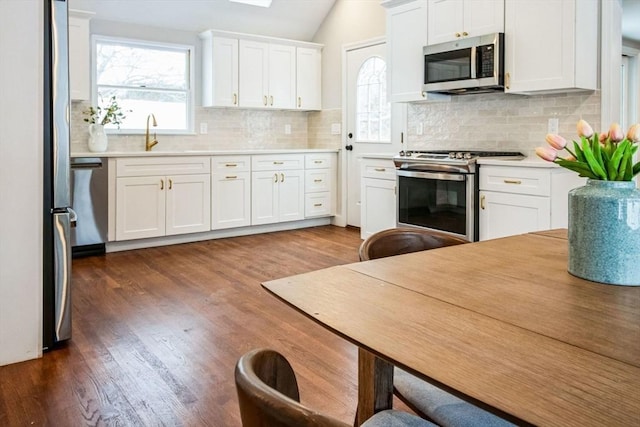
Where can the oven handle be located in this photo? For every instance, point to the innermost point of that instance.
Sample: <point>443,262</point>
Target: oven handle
<point>433,175</point>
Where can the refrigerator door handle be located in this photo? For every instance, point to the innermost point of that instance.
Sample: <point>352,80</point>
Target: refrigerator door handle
<point>73,218</point>
<point>62,274</point>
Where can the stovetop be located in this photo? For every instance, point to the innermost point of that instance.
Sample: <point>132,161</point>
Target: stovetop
<point>447,160</point>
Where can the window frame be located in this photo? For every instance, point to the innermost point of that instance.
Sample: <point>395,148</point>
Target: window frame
<point>190,92</point>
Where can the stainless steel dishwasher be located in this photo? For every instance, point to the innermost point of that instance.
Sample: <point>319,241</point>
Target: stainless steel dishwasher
<point>89,183</point>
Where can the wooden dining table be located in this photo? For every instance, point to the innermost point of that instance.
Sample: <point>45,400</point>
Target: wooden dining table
<point>500,323</point>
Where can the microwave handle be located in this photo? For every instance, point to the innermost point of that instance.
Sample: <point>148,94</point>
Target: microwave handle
<point>474,62</point>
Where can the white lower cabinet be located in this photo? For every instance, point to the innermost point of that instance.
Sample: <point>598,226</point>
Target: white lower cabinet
<point>320,184</point>
<point>517,200</point>
<point>231,192</point>
<point>152,205</point>
<point>277,187</point>
<point>378,209</point>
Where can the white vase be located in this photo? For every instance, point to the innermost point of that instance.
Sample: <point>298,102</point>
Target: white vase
<point>97,139</point>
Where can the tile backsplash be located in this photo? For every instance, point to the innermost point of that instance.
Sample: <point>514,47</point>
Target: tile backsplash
<point>227,129</point>
<point>489,121</point>
<point>498,121</point>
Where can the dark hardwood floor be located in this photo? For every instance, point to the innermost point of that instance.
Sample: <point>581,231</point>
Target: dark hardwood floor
<point>157,333</point>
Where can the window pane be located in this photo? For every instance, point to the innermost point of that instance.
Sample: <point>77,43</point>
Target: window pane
<point>372,109</point>
<point>137,66</point>
<point>168,108</point>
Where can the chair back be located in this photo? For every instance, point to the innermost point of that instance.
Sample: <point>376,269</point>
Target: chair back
<point>403,240</point>
<point>268,393</point>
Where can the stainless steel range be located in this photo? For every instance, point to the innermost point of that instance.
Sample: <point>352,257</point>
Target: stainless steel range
<point>438,190</point>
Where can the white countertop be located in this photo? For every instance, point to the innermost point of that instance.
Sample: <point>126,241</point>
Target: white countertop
<point>385,156</point>
<point>160,153</point>
<point>531,161</point>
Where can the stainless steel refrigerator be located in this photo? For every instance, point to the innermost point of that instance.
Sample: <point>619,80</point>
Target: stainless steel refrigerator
<point>58,217</point>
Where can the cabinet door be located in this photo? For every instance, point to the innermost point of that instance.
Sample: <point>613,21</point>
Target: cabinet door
<point>79,58</point>
<point>406,36</point>
<point>224,84</point>
<point>282,76</point>
<point>188,204</point>
<point>446,20</point>
<point>483,17</point>
<point>308,81</point>
<point>254,63</point>
<point>507,214</point>
<point>378,210</point>
<point>140,207</point>
<point>291,195</point>
<point>550,45</point>
<point>231,200</point>
<point>264,197</point>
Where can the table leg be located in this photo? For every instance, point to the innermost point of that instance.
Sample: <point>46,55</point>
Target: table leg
<point>375,385</point>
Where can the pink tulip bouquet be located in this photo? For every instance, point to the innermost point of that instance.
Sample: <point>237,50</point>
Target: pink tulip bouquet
<point>607,157</point>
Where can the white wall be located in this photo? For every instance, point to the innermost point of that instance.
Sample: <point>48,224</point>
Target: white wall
<point>21,187</point>
<point>348,21</point>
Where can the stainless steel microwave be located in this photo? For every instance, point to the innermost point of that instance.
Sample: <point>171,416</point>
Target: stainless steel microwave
<point>469,65</point>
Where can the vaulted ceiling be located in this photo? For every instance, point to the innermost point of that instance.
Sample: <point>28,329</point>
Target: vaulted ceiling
<point>292,19</point>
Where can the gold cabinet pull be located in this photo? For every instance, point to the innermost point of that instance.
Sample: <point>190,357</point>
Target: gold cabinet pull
<point>162,184</point>
<point>507,80</point>
<point>278,163</point>
<point>230,165</point>
<point>281,177</point>
<point>275,177</point>
<point>170,184</point>
<point>299,102</point>
<point>512,181</point>
<point>235,99</point>
<point>424,94</point>
<point>271,100</point>
<point>265,100</point>
<point>317,162</point>
<point>317,205</point>
<point>458,35</point>
<point>317,180</point>
<point>465,34</point>
<point>380,169</point>
<point>482,202</point>
<point>231,176</point>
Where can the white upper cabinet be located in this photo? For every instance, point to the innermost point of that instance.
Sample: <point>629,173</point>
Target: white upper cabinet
<point>455,19</point>
<point>249,71</point>
<point>267,75</point>
<point>406,36</point>
<point>79,55</point>
<point>308,80</point>
<point>220,66</point>
<point>551,45</point>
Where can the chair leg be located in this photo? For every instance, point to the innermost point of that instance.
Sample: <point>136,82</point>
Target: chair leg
<point>375,386</point>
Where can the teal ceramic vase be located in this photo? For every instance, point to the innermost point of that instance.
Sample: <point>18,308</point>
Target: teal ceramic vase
<point>604,232</point>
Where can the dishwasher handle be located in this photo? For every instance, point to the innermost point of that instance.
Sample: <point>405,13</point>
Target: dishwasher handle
<point>86,163</point>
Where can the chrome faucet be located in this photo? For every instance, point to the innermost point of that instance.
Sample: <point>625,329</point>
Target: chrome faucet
<point>148,145</point>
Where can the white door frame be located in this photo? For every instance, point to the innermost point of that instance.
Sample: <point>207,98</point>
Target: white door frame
<point>341,213</point>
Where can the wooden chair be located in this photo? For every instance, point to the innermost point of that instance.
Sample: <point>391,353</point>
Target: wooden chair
<point>269,397</point>
<point>397,241</point>
<point>425,399</point>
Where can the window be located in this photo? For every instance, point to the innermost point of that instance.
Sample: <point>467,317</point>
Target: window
<point>373,112</point>
<point>147,78</point>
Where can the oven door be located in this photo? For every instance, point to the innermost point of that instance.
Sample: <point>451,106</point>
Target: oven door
<point>438,201</point>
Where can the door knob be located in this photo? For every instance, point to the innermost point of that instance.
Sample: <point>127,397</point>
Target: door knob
<point>350,135</point>
<point>349,147</point>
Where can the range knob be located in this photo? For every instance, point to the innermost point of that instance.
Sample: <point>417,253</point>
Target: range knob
<point>452,155</point>
<point>459,155</point>
<point>401,153</point>
<point>467,155</point>
<point>408,153</point>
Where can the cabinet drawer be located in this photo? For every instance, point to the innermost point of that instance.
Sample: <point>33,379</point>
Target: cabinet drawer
<point>318,180</point>
<point>277,162</point>
<point>226,164</point>
<point>149,166</point>
<point>533,181</point>
<point>318,204</point>
<point>319,160</point>
<point>380,169</point>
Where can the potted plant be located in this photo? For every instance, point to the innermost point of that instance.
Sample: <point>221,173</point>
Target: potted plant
<point>98,117</point>
<point>604,215</point>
